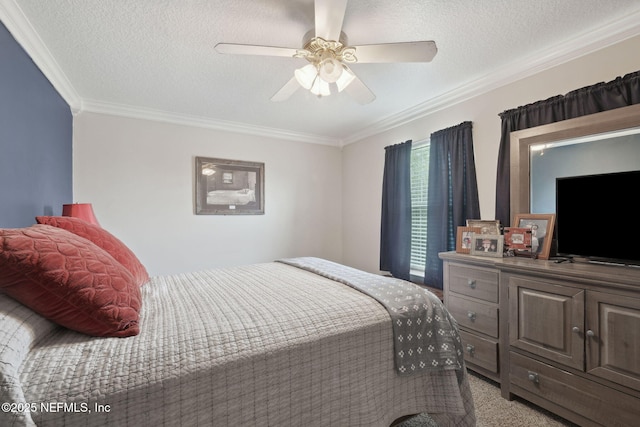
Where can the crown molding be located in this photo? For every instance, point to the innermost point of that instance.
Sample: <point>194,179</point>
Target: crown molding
<point>203,122</point>
<point>584,44</point>
<point>20,28</point>
<point>16,22</point>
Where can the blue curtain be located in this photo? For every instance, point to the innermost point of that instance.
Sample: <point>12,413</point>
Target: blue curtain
<point>621,92</point>
<point>395,230</point>
<point>453,194</point>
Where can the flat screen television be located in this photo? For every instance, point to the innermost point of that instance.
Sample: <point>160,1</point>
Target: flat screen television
<point>597,216</point>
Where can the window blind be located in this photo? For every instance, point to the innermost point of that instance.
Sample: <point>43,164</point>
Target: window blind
<point>419,186</point>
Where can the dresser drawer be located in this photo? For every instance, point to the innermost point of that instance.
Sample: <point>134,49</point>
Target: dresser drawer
<point>476,282</point>
<point>481,352</point>
<point>580,395</point>
<point>472,314</point>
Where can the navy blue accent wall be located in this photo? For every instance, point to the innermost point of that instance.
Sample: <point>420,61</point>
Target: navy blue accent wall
<point>35,140</point>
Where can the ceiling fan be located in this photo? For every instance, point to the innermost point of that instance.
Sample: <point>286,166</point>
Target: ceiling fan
<point>328,53</point>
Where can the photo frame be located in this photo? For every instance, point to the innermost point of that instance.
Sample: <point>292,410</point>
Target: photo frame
<point>491,245</point>
<point>464,239</point>
<point>541,226</point>
<point>517,238</point>
<point>228,187</point>
<point>486,226</point>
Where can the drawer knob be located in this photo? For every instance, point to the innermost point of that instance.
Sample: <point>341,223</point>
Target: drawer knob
<point>471,315</point>
<point>471,283</point>
<point>576,329</point>
<point>590,333</point>
<point>533,377</point>
<point>471,349</point>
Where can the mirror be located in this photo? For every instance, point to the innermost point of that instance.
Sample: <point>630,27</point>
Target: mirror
<point>584,136</point>
<point>617,151</point>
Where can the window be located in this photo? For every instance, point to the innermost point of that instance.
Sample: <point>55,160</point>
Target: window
<point>419,186</point>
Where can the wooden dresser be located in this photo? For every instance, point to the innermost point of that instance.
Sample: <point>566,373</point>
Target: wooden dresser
<point>471,295</point>
<point>568,335</point>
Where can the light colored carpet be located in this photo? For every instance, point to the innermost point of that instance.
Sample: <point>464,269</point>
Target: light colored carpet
<point>492,410</point>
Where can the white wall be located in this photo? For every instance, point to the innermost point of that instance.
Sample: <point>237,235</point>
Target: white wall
<point>320,200</point>
<point>140,177</point>
<point>363,161</point>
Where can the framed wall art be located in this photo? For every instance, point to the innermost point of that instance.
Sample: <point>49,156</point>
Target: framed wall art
<point>487,245</point>
<point>464,238</point>
<point>229,187</point>
<point>541,226</point>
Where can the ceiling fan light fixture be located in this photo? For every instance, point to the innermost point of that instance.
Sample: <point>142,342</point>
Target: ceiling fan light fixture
<point>320,88</point>
<point>330,70</point>
<point>345,78</point>
<point>307,76</point>
<point>327,51</point>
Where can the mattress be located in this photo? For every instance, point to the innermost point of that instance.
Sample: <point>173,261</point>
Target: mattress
<point>267,344</point>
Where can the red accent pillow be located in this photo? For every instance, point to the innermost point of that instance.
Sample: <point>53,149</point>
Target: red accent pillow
<point>103,239</point>
<point>69,280</point>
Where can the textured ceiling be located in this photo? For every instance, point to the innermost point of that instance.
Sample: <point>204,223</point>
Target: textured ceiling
<point>156,58</point>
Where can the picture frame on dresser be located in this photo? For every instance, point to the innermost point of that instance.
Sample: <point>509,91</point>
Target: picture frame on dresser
<point>489,245</point>
<point>464,238</point>
<point>487,226</point>
<point>541,226</point>
<point>517,238</point>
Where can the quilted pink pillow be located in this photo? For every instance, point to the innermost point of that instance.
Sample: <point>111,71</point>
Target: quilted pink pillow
<point>102,238</point>
<point>69,280</point>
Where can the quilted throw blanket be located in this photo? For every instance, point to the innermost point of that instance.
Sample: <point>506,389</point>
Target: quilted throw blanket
<point>260,345</point>
<point>425,334</point>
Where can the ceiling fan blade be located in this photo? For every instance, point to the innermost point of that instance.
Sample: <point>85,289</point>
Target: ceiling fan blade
<point>248,49</point>
<point>286,91</point>
<point>329,15</point>
<point>397,52</point>
<point>360,92</point>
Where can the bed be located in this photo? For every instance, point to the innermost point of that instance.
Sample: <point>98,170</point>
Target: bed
<point>231,197</point>
<point>282,343</point>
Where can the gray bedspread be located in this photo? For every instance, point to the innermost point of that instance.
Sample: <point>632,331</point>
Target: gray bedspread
<point>425,334</point>
<point>261,345</point>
